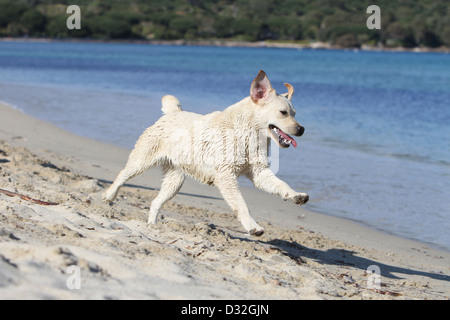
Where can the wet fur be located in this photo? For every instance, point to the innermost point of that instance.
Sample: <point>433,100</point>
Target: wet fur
<point>216,149</point>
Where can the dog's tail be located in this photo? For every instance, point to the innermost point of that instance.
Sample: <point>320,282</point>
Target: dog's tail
<point>170,104</point>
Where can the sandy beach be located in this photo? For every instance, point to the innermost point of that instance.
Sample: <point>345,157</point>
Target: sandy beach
<point>52,222</point>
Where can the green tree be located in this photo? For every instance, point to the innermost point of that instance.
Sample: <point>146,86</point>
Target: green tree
<point>248,28</point>
<point>33,21</point>
<point>285,28</point>
<point>430,39</point>
<point>10,11</point>
<point>56,27</point>
<point>222,27</point>
<point>446,35</point>
<point>183,25</point>
<point>109,28</point>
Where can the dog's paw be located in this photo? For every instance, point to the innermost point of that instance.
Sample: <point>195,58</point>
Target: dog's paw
<point>107,201</point>
<point>152,218</point>
<point>107,198</point>
<point>256,232</point>
<point>300,198</point>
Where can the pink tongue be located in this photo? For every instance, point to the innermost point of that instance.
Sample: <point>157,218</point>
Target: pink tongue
<point>285,136</point>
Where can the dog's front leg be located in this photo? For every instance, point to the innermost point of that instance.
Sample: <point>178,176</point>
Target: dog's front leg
<point>264,179</point>
<point>228,187</point>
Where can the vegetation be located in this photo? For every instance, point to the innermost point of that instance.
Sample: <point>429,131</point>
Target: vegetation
<point>407,23</point>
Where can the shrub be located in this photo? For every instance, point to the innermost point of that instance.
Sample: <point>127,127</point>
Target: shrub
<point>246,27</point>
<point>181,26</point>
<point>430,39</point>
<point>56,27</point>
<point>347,41</point>
<point>107,27</point>
<point>33,21</point>
<point>285,28</point>
<point>10,11</point>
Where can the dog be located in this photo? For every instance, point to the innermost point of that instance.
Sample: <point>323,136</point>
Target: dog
<point>217,148</point>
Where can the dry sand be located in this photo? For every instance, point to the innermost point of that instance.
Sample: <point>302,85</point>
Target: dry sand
<point>198,251</point>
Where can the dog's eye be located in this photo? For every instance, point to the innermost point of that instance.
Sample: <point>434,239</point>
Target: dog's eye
<point>283,112</point>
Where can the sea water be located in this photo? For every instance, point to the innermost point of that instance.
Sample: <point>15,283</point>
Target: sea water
<point>376,148</point>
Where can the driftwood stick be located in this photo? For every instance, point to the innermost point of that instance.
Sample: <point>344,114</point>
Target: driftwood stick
<point>27,198</point>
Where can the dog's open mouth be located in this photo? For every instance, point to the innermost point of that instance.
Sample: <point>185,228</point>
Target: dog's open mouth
<point>284,140</point>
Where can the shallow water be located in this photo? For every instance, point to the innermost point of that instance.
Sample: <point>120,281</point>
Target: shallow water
<point>377,143</point>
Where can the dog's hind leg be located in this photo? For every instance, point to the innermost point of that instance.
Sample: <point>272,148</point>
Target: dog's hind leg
<point>137,163</point>
<point>228,187</point>
<point>172,182</point>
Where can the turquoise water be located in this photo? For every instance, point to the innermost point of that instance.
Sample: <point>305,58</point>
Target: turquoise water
<point>377,143</point>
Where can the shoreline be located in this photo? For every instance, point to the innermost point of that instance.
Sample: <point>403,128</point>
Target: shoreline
<point>303,255</point>
<point>249,188</point>
<point>247,184</point>
<point>237,43</point>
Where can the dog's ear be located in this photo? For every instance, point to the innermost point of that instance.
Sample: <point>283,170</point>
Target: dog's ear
<point>261,87</point>
<point>290,92</point>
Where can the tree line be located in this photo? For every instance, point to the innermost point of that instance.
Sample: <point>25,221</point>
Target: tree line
<point>405,23</point>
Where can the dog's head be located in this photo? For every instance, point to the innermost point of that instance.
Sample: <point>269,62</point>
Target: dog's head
<point>275,111</point>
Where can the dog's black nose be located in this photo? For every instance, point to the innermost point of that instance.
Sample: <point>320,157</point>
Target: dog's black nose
<point>300,131</point>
